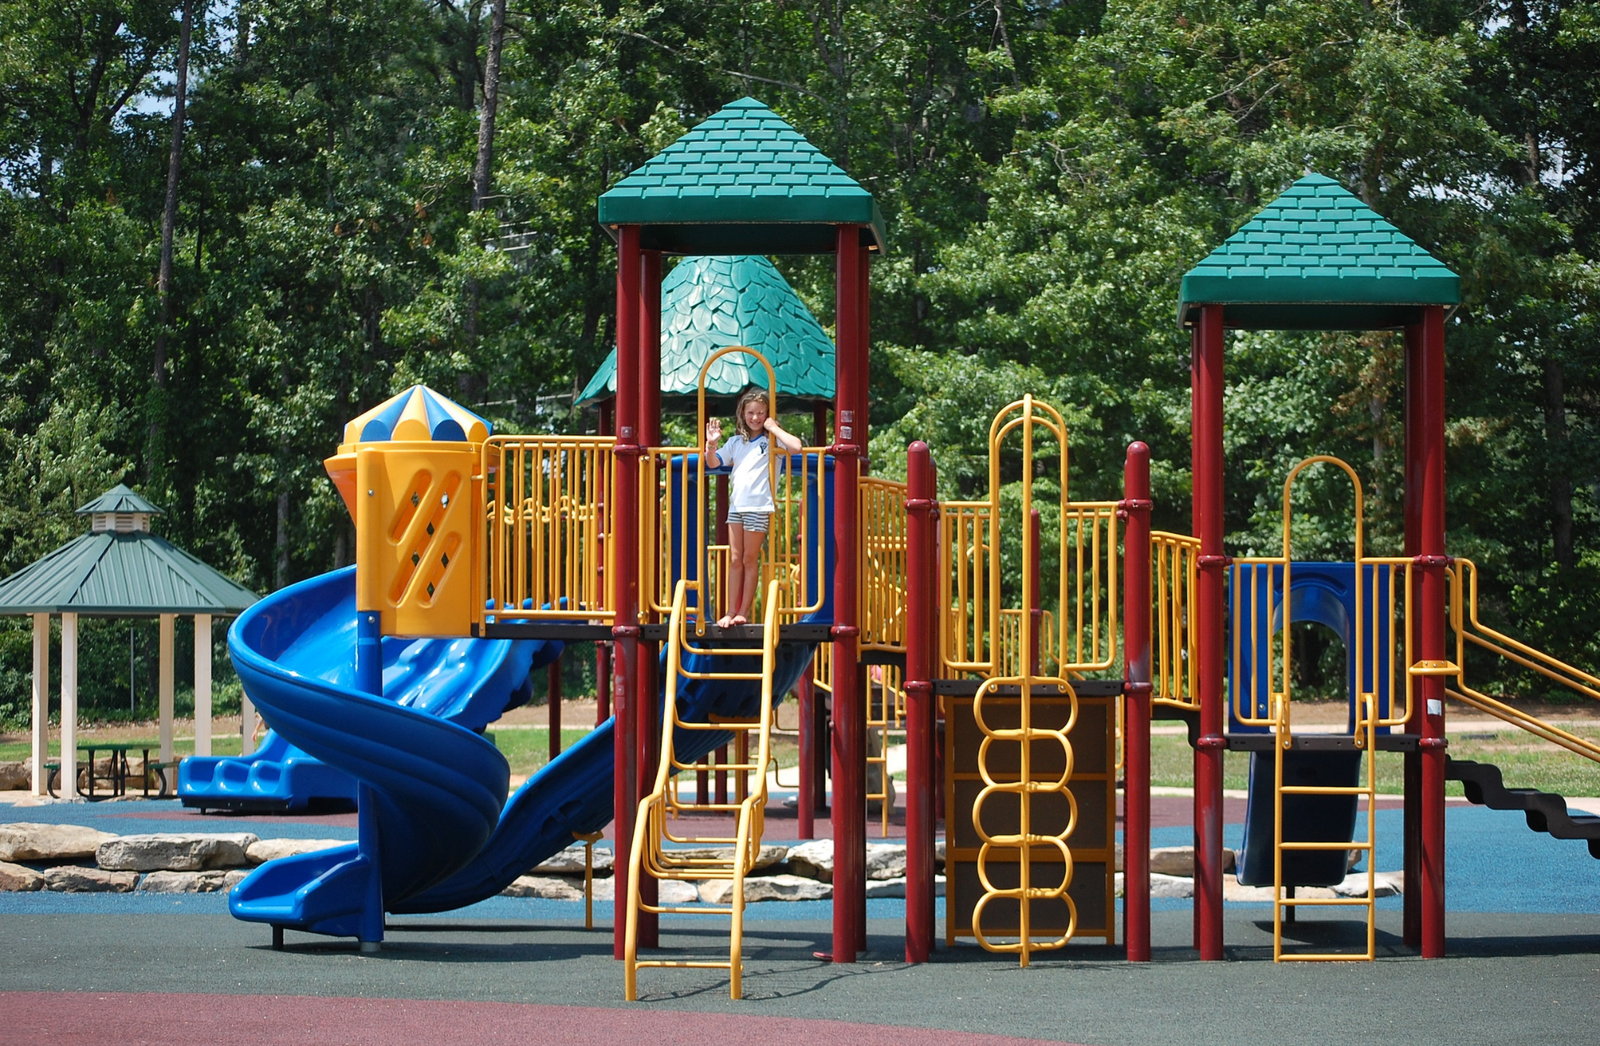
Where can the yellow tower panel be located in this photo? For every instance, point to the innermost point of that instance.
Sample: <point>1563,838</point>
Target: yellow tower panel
<point>417,532</point>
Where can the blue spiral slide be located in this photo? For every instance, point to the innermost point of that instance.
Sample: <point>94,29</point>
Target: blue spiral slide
<point>436,829</point>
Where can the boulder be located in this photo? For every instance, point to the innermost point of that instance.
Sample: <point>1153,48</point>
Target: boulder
<point>669,891</point>
<point>1384,884</point>
<point>549,887</point>
<point>263,850</point>
<point>16,878</point>
<point>72,878</point>
<point>570,861</point>
<point>885,861</point>
<point>214,881</point>
<point>813,860</point>
<point>1179,860</point>
<point>897,887</point>
<point>1170,885</point>
<point>766,888</point>
<point>47,843</point>
<point>765,858</point>
<point>177,852</point>
<point>14,776</point>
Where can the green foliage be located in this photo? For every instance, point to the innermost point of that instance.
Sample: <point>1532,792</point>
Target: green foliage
<point>1048,172</point>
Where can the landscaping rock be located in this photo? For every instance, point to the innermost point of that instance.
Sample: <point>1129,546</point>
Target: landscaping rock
<point>71,878</point>
<point>14,776</point>
<point>813,860</point>
<point>570,861</point>
<point>16,878</point>
<point>548,887</point>
<point>1170,885</point>
<point>46,843</point>
<point>1384,884</point>
<point>1179,860</point>
<point>766,858</point>
<point>213,881</point>
<point>263,850</point>
<point>897,887</point>
<point>187,852</point>
<point>885,861</point>
<point>766,888</point>
<point>670,891</point>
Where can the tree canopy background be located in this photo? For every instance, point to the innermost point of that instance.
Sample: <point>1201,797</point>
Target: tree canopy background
<point>1049,170</point>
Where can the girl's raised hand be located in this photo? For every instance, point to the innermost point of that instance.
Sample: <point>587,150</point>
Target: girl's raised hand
<point>713,430</point>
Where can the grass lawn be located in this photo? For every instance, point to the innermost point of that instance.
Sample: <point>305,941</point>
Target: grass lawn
<point>1526,761</point>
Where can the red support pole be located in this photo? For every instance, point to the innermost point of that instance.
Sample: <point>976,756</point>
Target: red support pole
<point>1428,371</point>
<point>1411,895</point>
<point>1211,612</point>
<point>647,711</point>
<point>1136,717</point>
<point>921,626</point>
<point>553,703</point>
<point>849,710</point>
<point>626,696</point>
<point>806,801</point>
<point>1035,600</point>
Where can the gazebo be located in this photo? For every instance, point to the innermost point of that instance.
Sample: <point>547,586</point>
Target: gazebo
<point>118,569</point>
<point>710,303</point>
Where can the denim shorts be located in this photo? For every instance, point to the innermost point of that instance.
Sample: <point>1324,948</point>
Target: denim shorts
<point>753,522</point>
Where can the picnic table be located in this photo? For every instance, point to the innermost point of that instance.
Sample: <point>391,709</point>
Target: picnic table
<point>116,778</point>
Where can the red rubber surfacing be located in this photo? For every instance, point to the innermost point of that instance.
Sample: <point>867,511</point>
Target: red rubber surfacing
<point>97,1018</point>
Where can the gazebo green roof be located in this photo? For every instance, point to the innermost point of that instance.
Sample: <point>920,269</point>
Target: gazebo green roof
<point>112,573</point>
<point>741,182</point>
<point>1317,258</point>
<point>710,303</point>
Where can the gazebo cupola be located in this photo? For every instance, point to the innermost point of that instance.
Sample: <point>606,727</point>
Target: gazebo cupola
<point>119,511</point>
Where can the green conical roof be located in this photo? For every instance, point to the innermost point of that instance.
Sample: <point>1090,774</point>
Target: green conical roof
<point>1317,258</point>
<point>711,303</point>
<point>119,499</point>
<point>741,182</point>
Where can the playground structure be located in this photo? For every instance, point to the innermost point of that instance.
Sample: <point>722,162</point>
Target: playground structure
<point>939,606</point>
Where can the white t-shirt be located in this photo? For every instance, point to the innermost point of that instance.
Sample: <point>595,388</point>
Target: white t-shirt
<point>751,488</point>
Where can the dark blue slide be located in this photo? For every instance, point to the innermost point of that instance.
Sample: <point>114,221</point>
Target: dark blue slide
<point>467,682</point>
<point>436,830</point>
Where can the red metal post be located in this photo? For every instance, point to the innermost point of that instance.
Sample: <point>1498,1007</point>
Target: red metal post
<point>648,707</point>
<point>1136,716</point>
<point>1035,600</point>
<point>806,801</point>
<point>553,702</point>
<point>1411,894</point>
<point>1211,613</point>
<point>625,578</point>
<point>1428,372</point>
<point>849,710</point>
<point>920,632</point>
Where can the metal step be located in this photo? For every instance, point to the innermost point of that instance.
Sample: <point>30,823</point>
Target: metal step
<point>1544,811</point>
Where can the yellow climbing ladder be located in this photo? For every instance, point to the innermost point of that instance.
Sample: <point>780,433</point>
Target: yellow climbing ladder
<point>724,857</point>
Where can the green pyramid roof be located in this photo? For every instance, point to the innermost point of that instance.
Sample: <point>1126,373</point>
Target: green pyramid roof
<point>711,303</point>
<point>119,499</point>
<point>121,575</point>
<point>741,182</point>
<point>1317,258</point>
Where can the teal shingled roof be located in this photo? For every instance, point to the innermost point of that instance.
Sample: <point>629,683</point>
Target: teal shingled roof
<point>118,575</point>
<point>741,182</point>
<point>119,499</point>
<point>1317,258</point>
<point>711,303</point>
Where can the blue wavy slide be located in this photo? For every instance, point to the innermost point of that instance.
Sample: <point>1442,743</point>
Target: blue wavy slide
<point>465,681</point>
<point>436,831</point>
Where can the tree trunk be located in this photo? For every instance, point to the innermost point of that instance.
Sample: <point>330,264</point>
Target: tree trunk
<point>481,171</point>
<point>169,216</point>
<point>1555,434</point>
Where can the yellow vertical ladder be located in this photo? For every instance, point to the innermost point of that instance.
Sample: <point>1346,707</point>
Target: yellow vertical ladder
<point>730,857</point>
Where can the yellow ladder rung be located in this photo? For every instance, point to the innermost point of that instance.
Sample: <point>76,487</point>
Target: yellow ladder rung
<point>683,964</point>
<point>1435,668</point>
<point>1289,845</point>
<point>1326,957</point>
<point>1324,902</point>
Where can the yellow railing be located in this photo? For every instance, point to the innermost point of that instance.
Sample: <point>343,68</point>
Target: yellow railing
<point>731,863</point>
<point>547,552</point>
<point>1468,629</point>
<point>1174,573</point>
<point>886,710</point>
<point>675,492</point>
<point>1014,633</point>
<point>882,571</point>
